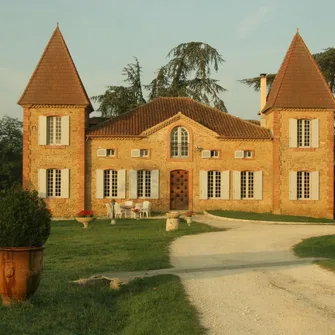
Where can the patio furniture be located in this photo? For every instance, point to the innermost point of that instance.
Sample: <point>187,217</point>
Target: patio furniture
<point>109,210</point>
<point>138,206</point>
<point>119,211</point>
<point>146,209</point>
<point>128,203</point>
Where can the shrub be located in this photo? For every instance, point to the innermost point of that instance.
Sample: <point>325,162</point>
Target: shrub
<point>25,221</point>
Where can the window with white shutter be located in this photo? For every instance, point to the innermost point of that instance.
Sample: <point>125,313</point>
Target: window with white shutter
<point>247,185</point>
<point>42,183</point>
<point>99,182</point>
<point>315,133</point>
<point>205,154</point>
<point>54,183</point>
<point>237,185</point>
<point>203,185</point>
<point>304,133</point>
<point>293,139</point>
<point>213,184</point>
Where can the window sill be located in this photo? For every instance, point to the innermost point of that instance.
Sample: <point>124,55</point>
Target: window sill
<point>51,146</point>
<point>303,149</point>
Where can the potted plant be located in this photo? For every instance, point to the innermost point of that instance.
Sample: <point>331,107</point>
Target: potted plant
<point>188,216</point>
<point>25,223</point>
<point>85,217</point>
<point>136,211</point>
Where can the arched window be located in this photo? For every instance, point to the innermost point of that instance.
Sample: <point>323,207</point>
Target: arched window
<point>179,142</point>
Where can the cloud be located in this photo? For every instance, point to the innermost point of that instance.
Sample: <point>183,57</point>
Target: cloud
<point>255,19</point>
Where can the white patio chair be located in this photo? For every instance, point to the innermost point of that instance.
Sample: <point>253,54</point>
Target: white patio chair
<point>138,206</point>
<point>109,210</point>
<point>118,211</point>
<point>146,209</point>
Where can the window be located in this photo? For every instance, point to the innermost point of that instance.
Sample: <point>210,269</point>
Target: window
<point>110,183</point>
<point>110,152</point>
<point>303,185</point>
<point>179,142</point>
<point>243,154</point>
<point>214,153</point>
<point>54,130</point>
<point>214,184</point>
<point>247,185</point>
<point>54,185</point>
<point>143,184</point>
<point>303,133</point>
<point>144,153</point>
<point>247,154</point>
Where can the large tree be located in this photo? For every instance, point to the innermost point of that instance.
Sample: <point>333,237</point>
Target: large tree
<point>10,152</point>
<point>187,74</point>
<point>325,61</point>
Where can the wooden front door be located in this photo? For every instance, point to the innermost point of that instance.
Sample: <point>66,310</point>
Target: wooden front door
<point>179,189</point>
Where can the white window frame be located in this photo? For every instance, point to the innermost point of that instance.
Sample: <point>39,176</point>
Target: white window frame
<point>110,152</point>
<point>110,183</point>
<point>144,152</point>
<point>53,177</point>
<point>214,185</point>
<point>304,185</point>
<point>178,143</point>
<point>143,184</point>
<point>247,154</point>
<point>304,133</point>
<point>249,187</point>
<point>54,130</point>
<point>215,153</point>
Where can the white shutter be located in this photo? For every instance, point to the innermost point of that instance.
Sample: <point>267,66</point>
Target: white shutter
<point>135,153</point>
<point>101,152</point>
<point>258,185</point>
<point>203,184</point>
<point>239,154</point>
<point>315,179</point>
<point>293,133</point>
<point>42,183</point>
<point>206,154</point>
<point>293,185</point>
<point>42,130</point>
<point>99,183</point>
<point>154,184</point>
<point>65,137</point>
<point>225,187</point>
<point>315,133</point>
<point>65,183</point>
<point>132,184</point>
<point>237,185</point>
<point>121,184</point>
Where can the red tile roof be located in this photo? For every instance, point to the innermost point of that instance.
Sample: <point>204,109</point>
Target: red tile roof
<point>55,80</point>
<point>299,82</point>
<point>148,115</point>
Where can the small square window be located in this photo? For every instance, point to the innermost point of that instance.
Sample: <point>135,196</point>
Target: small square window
<point>247,154</point>
<point>214,153</point>
<point>144,153</point>
<point>110,152</point>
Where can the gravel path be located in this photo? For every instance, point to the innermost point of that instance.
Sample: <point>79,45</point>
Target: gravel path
<point>264,289</point>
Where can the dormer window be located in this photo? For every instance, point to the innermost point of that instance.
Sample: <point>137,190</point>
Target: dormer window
<point>179,143</point>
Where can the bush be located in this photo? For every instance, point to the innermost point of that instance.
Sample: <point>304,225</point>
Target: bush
<point>25,220</point>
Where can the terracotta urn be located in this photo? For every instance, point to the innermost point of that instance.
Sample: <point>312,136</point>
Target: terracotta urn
<point>20,273</point>
<point>84,220</point>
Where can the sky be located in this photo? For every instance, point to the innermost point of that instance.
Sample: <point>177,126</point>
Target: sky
<point>104,35</point>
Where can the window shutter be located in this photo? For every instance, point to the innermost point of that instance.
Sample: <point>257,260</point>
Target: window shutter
<point>132,184</point>
<point>65,183</point>
<point>42,130</point>
<point>121,184</point>
<point>154,184</point>
<point>239,154</point>
<point>65,139</point>
<point>293,185</point>
<point>101,152</point>
<point>99,183</point>
<point>205,154</point>
<point>42,183</point>
<point>135,153</point>
<point>203,184</point>
<point>315,178</point>
<point>293,133</point>
<point>237,185</point>
<point>225,187</point>
<point>315,133</point>
<point>258,185</point>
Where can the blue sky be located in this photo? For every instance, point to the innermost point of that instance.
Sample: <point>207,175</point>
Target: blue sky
<point>104,35</point>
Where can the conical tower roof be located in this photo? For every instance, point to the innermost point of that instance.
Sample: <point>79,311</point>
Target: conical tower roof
<point>55,80</point>
<point>299,83</point>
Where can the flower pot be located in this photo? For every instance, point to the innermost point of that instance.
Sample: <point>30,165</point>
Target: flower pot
<point>172,221</point>
<point>84,220</point>
<point>189,219</point>
<point>20,273</point>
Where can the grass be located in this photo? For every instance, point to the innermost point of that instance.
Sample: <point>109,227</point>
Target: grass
<point>156,305</point>
<point>320,246</point>
<point>268,217</point>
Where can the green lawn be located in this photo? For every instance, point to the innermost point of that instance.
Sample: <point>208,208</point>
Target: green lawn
<point>320,246</point>
<point>156,305</point>
<point>268,217</point>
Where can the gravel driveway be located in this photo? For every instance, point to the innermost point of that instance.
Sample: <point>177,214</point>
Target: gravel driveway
<point>252,283</point>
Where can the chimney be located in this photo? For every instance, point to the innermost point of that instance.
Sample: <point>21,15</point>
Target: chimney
<point>263,90</point>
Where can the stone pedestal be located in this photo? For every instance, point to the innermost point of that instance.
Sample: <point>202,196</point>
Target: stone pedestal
<point>172,221</point>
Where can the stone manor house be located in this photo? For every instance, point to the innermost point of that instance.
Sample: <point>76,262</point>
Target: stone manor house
<point>178,153</point>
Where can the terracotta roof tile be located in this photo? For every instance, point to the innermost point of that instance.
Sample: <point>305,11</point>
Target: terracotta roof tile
<point>299,82</point>
<point>55,80</point>
<point>148,115</point>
